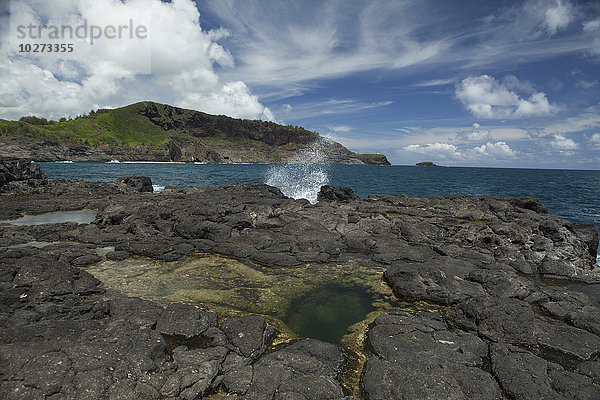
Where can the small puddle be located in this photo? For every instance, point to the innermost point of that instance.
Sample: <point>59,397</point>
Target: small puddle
<point>84,216</point>
<point>326,313</point>
<point>35,243</point>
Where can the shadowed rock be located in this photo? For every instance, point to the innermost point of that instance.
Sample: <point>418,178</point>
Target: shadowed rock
<point>136,183</point>
<point>329,193</point>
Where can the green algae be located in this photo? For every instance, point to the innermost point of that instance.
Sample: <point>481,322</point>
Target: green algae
<point>311,300</point>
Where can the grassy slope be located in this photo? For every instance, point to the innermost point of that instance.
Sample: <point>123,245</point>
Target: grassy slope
<point>118,126</point>
<point>121,125</point>
<point>130,126</point>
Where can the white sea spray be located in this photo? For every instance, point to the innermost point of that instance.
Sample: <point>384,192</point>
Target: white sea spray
<point>304,175</point>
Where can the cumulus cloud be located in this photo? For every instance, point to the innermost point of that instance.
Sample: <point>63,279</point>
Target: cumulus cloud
<point>487,98</point>
<point>233,99</point>
<point>447,151</point>
<point>177,62</point>
<point>442,151</point>
<point>561,142</point>
<point>496,151</point>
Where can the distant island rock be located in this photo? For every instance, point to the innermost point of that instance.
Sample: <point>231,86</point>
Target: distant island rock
<point>149,131</point>
<point>426,164</point>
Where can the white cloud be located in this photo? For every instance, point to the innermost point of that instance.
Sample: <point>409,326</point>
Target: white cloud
<point>559,16</point>
<point>594,141</point>
<point>592,26</point>
<point>496,151</point>
<point>561,142</point>
<point>333,107</point>
<point>486,98</point>
<point>584,84</point>
<point>435,82</point>
<point>321,40</point>
<point>446,151</point>
<point>340,128</point>
<point>233,99</point>
<point>588,119</point>
<point>441,151</point>
<point>477,134</point>
<point>592,30</point>
<point>331,39</point>
<point>178,63</point>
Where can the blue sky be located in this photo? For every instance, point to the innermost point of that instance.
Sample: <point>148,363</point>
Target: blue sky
<point>469,83</point>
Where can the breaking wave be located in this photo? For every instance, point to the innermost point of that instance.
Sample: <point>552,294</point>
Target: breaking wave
<point>304,175</point>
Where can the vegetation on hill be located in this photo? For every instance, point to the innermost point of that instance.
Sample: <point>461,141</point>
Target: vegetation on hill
<point>149,127</point>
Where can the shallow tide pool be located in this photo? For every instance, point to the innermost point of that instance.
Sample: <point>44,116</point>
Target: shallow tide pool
<point>84,216</point>
<point>320,301</point>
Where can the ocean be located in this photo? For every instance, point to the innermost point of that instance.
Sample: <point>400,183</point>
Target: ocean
<point>570,194</point>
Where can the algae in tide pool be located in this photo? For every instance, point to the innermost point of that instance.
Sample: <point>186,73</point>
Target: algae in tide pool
<point>314,300</point>
<point>327,313</point>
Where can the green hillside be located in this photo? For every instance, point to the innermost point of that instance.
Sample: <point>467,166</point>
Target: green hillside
<point>148,123</point>
<point>152,131</point>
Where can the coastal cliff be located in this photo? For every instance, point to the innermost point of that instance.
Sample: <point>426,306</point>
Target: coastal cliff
<point>479,298</point>
<point>150,131</point>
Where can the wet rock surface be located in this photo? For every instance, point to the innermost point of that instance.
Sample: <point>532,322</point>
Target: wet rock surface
<point>481,264</point>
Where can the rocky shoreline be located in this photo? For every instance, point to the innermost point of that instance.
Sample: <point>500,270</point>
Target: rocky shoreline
<point>484,288</point>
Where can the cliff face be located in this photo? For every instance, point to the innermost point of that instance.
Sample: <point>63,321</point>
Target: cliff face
<point>149,131</point>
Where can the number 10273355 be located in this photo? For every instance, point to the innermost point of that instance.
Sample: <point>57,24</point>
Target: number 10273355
<point>45,48</point>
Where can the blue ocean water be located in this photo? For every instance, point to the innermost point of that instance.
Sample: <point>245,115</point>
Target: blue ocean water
<point>569,194</point>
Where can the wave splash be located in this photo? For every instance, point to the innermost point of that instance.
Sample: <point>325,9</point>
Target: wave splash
<point>303,176</point>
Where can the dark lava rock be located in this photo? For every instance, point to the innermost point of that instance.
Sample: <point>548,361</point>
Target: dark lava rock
<point>117,255</point>
<point>136,183</point>
<point>431,280</point>
<point>589,234</point>
<point>18,170</point>
<point>419,357</point>
<point>249,334</point>
<point>185,320</point>
<point>304,370</point>
<point>329,193</point>
<point>523,375</point>
<point>507,320</point>
<point>529,203</point>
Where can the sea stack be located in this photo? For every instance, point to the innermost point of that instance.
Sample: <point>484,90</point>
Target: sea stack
<point>426,164</point>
